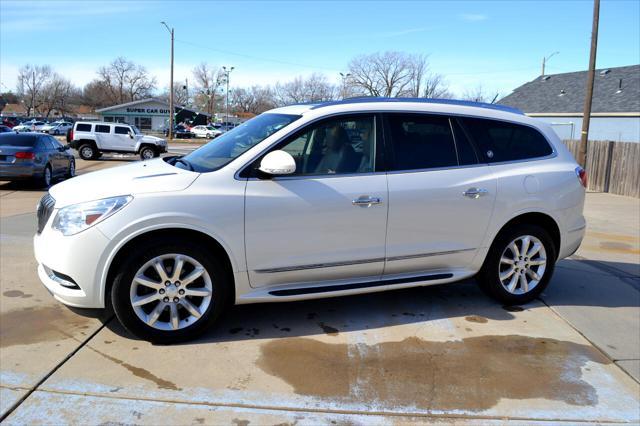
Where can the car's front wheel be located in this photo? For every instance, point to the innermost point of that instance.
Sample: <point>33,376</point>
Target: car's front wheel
<point>519,264</point>
<point>147,153</point>
<point>170,292</point>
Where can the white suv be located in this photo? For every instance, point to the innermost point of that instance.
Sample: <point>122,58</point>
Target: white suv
<point>319,200</point>
<point>92,138</point>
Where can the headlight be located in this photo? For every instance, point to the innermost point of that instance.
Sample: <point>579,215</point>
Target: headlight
<point>76,218</point>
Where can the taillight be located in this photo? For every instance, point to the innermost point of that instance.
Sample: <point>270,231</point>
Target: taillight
<point>25,155</point>
<point>582,175</point>
<point>70,135</point>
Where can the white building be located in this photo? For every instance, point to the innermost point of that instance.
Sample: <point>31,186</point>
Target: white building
<point>559,99</point>
<point>150,114</point>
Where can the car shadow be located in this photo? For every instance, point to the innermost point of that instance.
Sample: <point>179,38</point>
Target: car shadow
<point>419,305</point>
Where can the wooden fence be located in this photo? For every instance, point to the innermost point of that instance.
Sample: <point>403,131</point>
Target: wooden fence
<point>611,166</point>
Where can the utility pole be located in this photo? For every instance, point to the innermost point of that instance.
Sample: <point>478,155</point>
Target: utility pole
<point>344,83</point>
<point>226,77</point>
<point>584,135</point>
<point>171,107</point>
<point>545,59</point>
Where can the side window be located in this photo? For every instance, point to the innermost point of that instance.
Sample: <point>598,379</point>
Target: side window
<point>83,128</point>
<point>101,128</point>
<point>500,141</point>
<point>421,142</point>
<point>466,151</point>
<point>44,144</point>
<point>121,130</point>
<point>54,142</point>
<point>336,146</point>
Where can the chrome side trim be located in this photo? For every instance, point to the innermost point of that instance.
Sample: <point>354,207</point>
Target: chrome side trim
<point>318,266</point>
<point>417,256</point>
<point>356,262</point>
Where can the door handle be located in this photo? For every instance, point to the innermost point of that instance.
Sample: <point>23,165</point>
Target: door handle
<point>366,201</point>
<point>475,192</point>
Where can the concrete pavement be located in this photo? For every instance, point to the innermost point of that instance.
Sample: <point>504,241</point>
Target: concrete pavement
<point>442,355</point>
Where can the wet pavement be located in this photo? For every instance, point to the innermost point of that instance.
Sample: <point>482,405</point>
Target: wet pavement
<point>440,354</point>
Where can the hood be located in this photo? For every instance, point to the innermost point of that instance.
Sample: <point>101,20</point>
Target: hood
<point>140,177</point>
<point>151,139</point>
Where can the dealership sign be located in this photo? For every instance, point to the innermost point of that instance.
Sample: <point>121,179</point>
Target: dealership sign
<point>148,110</point>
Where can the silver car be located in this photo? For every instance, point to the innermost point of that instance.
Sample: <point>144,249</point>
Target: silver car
<point>35,157</point>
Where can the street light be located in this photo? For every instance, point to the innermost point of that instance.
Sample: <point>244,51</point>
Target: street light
<point>344,83</point>
<point>544,61</point>
<point>226,72</point>
<point>171,109</point>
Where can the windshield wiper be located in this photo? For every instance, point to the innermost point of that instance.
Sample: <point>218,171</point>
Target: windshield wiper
<point>185,162</point>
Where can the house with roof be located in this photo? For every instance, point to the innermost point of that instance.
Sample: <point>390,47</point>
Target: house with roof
<point>559,100</point>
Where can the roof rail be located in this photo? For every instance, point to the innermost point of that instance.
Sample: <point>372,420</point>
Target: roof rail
<point>367,99</point>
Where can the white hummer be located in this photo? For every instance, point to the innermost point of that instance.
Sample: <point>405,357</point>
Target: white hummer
<point>91,139</point>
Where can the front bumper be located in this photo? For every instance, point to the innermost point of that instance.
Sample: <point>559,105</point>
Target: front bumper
<point>80,257</point>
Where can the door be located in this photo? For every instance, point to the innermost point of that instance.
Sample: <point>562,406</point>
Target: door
<point>327,221</point>
<point>50,144</point>
<point>123,136</point>
<point>440,197</point>
<point>104,137</point>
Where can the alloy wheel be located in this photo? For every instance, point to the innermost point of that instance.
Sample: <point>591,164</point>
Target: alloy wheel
<point>171,292</point>
<point>147,154</point>
<point>522,264</point>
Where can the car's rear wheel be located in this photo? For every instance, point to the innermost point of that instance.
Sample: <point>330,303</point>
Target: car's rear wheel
<point>47,176</point>
<point>87,152</point>
<point>519,264</point>
<point>147,153</point>
<point>170,292</point>
<point>72,169</point>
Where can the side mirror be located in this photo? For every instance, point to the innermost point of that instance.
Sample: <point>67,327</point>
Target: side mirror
<point>278,163</point>
<point>62,148</point>
<point>131,135</point>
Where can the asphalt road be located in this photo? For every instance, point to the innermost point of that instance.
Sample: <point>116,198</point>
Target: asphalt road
<point>440,354</point>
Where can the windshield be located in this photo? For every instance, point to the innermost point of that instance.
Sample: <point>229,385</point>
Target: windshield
<point>136,130</point>
<point>231,145</point>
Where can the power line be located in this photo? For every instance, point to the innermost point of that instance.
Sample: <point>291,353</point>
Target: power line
<point>258,58</point>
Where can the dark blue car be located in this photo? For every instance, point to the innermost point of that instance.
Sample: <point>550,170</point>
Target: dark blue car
<point>34,156</point>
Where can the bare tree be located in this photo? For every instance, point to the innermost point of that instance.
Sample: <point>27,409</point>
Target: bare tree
<point>315,88</point>
<point>479,94</point>
<point>396,74</point>
<point>387,74</point>
<point>124,81</point>
<point>255,100</point>
<point>31,81</point>
<point>57,95</point>
<point>207,82</point>
<point>94,94</point>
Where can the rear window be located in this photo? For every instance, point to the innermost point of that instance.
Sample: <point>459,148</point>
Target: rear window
<point>122,130</point>
<point>421,142</point>
<point>500,141</point>
<point>83,128</point>
<point>11,139</point>
<point>103,129</point>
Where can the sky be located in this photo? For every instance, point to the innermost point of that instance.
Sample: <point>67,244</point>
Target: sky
<point>498,45</point>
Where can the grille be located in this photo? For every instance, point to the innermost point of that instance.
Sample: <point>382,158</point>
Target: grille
<point>45,208</point>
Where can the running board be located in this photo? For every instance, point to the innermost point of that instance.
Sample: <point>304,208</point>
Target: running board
<point>343,287</point>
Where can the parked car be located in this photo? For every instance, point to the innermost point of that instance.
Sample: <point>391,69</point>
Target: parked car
<point>30,126</point>
<point>92,139</point>
<point>34,156</point>
<point>5,129</point>
<point>202,131</point>
<point>180,132</point>
<point>317,200</point>
<point>57,128</point>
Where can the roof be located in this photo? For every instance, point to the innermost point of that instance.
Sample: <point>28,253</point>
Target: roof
<point>147,100</point>
<point>615,90</point>
<point>371,103</point>
<point>14,109</point>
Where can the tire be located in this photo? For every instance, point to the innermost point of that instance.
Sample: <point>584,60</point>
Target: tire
<point>147,153</point>
<point>47,177</point>
<point>72,169</point>
<point>163,330</point>
<point>87,152</point>
<point>512,290</point>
